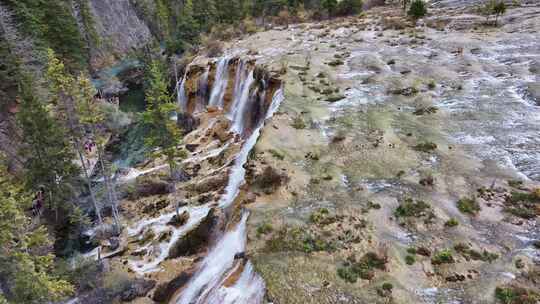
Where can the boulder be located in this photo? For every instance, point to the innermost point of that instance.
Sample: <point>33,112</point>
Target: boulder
<point>179,219</point>
<point>165,291</point>
<point>193,241</point>
<point>139,288</point>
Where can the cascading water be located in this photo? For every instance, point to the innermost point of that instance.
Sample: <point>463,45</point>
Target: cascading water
<point>218,90</point>
<point>208,285</point>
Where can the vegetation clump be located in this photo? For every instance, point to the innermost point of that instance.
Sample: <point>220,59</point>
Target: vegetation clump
<point>364,268</point>
<point>515,295</point>
<point>298,123</point>
<point>270,180</point>
<point>322,217</point>
<point>443,257</point>
<point>470,254</point>
<point>417,10</point>
<point>297,239</point>
<point>425,147</point>
<point>411,208</point>
<point>525,205</point>
<point>468,206</point>
<point>264,228</point>
<point>451,223</point>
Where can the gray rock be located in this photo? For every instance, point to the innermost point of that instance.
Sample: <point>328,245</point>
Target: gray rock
<point>139,288</point>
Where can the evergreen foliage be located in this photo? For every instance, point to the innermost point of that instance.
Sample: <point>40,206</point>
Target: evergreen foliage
<point>417,10</point>
<point>164,134</point>
<point>24,260</point>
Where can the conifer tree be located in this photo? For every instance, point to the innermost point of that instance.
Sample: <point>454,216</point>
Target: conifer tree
<point>164,135</point>
<point>71,100</point>
<point>46,151</point>
<point>23,261</point>
<point>205,14</point>
<point>188,28</point>
<point>329,6</point>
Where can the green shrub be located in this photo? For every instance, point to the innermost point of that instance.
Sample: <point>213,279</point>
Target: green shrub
<point>349,7</point>
<point>410,259</point>
<point>515,295</point>
<point>417,10</point>
<point>468,206</point>
<point>443,257</point>
<point>364,268</point>
<point>451,223</point>
<point>410,208</point>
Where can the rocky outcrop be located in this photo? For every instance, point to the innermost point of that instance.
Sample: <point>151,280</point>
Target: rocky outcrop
<point>196,239</point>
<point>119,28</point>
<point>165,291</point>
<point>139,288</point>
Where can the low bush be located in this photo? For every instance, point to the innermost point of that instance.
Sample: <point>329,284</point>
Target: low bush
<point>270,180</point>
<point>515,295</point>
<point>410,208</point>
<point>425,147</point>
<point>451,223</point>
<point>468,206</point>
<point>443,257</point>
<point>364,268</point>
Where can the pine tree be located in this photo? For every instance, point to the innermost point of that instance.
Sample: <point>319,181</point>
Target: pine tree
<point>164,135</point>
<point>187,24</point>
<point>417,10</point>
<point>47,152</point>
<point>329,6</point>
<point>205,14</point>
<point>22,261</point>
<point>71,98</point>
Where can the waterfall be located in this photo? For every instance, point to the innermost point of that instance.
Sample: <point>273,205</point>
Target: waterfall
<point>220,83</point>
<point>208,285</point>
<point>237,175</point>
<point>202,92</point>
<point>182,97</point>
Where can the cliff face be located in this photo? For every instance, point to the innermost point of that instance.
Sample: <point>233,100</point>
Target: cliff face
<point>119,30</point>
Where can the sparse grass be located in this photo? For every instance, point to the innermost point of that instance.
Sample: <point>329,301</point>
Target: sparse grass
<point>298,123</point>
<point>276,154</point>
<point>322,217</point>
<point>443,257</point>
<point>515,184</point>
<point>264,228</point>
<point>470,254</point>
<point>297,239</point>
<point>468,206</point>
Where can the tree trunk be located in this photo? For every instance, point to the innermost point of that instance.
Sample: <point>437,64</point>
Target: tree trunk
<point>89,183</point>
